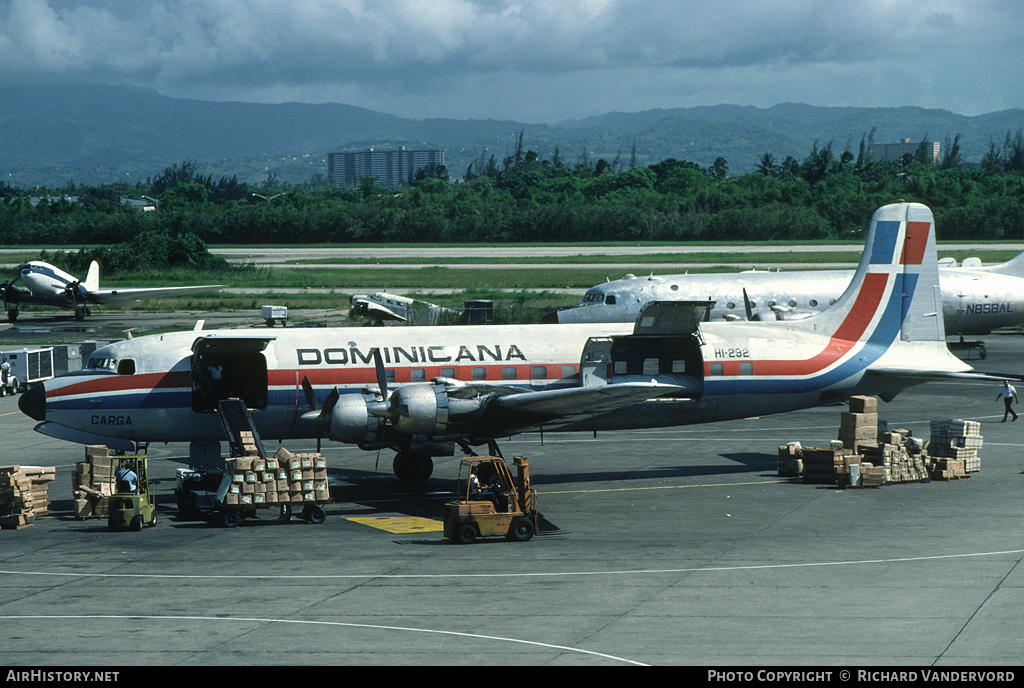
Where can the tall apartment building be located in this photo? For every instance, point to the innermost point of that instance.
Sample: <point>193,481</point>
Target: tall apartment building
<point>895,151</point>
<point>390,167</point>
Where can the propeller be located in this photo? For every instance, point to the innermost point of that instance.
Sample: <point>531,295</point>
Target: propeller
<point>382,376</point>
<point>777,311</point>
<point>319,417</point>
<point>376,405</point>
<point>384,409</point>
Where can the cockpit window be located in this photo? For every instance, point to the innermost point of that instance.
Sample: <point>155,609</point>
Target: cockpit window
<point>100,363</point>
<point>593,298</point>
<point>609,300</point>
<point>126,366</point>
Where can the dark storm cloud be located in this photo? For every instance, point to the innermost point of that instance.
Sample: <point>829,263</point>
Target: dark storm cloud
<point>531,59</point>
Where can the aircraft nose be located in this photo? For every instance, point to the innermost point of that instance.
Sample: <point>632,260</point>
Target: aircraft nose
<point>33,403</point>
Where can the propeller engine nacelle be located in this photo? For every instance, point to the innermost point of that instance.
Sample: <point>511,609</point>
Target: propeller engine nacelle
<point>351,421</point>
<point>416,410</point>
<point>420,409</point>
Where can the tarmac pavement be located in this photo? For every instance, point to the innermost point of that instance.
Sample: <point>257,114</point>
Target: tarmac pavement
<point>679,546</point>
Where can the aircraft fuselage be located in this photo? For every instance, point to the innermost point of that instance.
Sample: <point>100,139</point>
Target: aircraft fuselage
<point>974,301</point>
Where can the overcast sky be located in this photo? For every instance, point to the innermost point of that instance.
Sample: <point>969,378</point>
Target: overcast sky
<point>531,60</point>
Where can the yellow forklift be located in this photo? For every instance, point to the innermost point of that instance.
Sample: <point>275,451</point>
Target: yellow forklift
<point>132,505</point>
<point>488,502</point>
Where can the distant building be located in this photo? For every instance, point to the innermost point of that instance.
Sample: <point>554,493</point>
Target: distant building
<point>895,151</point>
<point>390,167</point>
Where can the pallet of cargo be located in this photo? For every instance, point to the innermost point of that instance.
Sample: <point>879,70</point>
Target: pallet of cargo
<point>23,495</point>
<point>250,483</point>
<point>92,482</point>
<point>949,469</point>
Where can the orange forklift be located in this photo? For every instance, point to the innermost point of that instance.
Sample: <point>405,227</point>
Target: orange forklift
<point>488,502</point>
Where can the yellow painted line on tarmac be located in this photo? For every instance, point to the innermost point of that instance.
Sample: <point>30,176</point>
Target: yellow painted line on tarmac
<point>400,524</point>
<point>662,487</point>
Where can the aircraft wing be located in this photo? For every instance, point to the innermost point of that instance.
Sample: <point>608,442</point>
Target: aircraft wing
<point>121,296</point>
<point>926,375</point>
<point>561,406</point>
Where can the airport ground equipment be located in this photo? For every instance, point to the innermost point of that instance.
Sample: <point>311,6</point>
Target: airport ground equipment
<point>28,367</point>
<point>9,384</point>
<point>243,439</point>
<point>512,513</point>
<point>132,506</point>
<point>251,480</point>
<point>274,314</point>
<point>975,346</point>
<point>249,485</point>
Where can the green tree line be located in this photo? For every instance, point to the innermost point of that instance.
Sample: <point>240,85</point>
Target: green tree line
<point>826,195</point>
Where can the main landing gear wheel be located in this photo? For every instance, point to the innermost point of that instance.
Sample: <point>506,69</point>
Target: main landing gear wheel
<point>410,467</point>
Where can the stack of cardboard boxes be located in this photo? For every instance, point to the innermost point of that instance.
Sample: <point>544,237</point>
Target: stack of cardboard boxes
<point>41,477</point>
<point>285,478</point>
<point>949,469</point>
<point>24,494</point>
<point>865,457</point>
<point>823,466</point>
<point>902,461</point>
<point>92,482</point>
<point>249,443</point>
<point>859,425</point>
<point>791,459</point>
<point>959,440</point>
<point>15,499</point>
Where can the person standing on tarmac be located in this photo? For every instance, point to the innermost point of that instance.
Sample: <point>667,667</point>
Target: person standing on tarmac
<point>1008,395</point>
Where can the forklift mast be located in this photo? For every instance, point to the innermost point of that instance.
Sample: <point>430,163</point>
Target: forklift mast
<point>523,469</point>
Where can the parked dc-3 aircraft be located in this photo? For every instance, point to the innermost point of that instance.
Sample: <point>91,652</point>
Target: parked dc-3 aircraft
<point>382,306</point>
<point>50,286</point>
<point>421,390</point>
<point>975,299</point>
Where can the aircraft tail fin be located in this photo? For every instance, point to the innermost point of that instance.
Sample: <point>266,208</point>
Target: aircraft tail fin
<point>1013,267</point>
<point>894,294</point>
<point>92,279</point>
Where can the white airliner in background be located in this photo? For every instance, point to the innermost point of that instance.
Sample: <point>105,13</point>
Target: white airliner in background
<point>975,299</point>
<point>47,285</point>
<point>423,390</point>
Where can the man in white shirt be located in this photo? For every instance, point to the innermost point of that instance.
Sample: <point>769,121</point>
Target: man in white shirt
<point>1009,395</point>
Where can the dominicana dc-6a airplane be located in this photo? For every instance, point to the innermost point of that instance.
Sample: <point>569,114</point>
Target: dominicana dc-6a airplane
<point>975,299</point>
<point>47,285</point>
<point>423,390</point>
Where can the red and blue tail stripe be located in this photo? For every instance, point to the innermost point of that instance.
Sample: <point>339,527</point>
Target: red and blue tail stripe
<point>866,321</point>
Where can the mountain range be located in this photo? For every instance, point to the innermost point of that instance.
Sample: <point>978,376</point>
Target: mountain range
<point>90,134</point>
